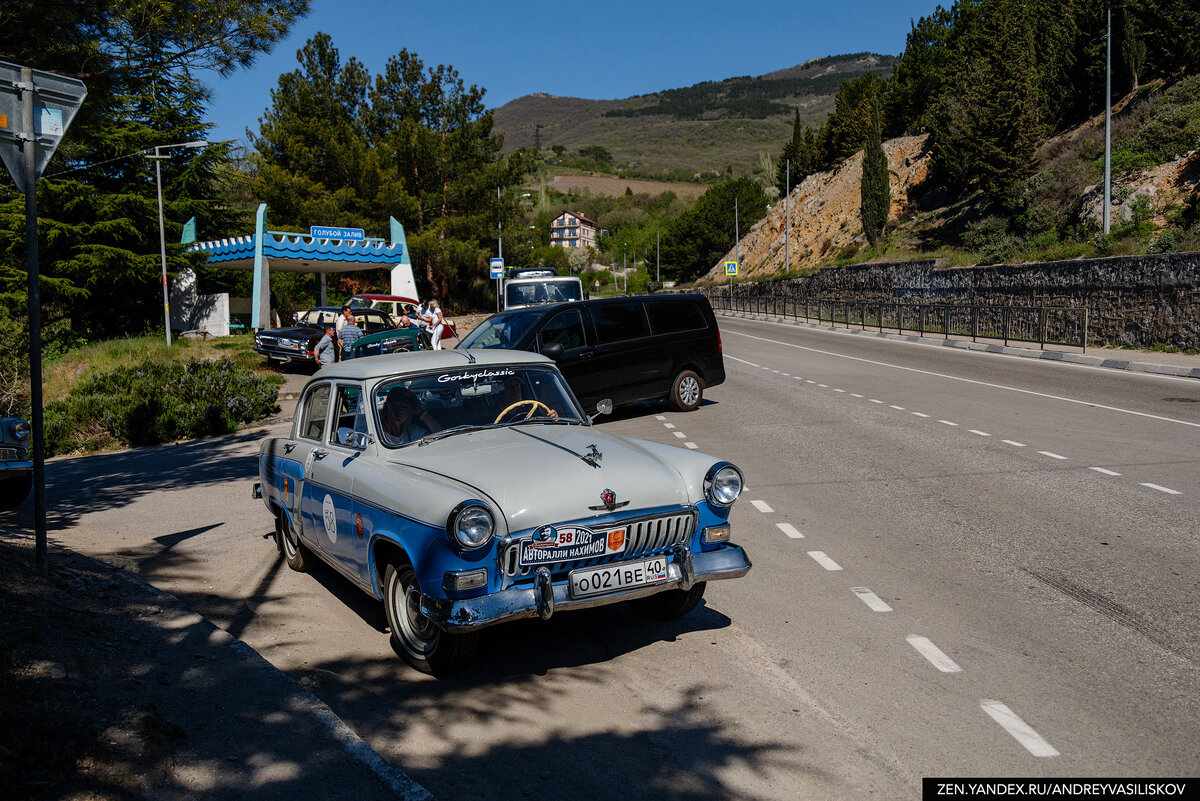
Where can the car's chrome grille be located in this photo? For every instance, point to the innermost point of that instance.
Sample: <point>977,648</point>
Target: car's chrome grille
<point>643,537</point>
<point>12,454</point>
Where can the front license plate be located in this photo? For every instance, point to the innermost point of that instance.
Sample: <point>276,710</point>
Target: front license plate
<point>617,577</point>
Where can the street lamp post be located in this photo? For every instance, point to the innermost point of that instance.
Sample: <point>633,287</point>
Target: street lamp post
<point>162,233</point>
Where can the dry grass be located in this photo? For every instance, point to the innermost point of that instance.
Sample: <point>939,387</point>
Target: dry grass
<point>611,186</point>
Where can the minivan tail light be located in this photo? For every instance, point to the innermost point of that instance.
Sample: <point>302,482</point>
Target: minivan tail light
<point>720,350</point>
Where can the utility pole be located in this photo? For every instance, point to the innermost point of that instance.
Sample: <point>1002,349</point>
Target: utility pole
<point>658,258</point>
<point>787,212</point>
<point>1108,122</point>
<point>499,251</point>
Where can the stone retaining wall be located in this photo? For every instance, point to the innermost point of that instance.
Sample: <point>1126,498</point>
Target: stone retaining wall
<point>1138,301</point>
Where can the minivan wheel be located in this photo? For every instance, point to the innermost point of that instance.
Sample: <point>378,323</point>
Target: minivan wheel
<point>687,390</point>
<point>414,636</point>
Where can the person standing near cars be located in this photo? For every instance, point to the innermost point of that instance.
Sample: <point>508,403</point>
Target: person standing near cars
<point>350,332</point>
<point>326,351</point>
<point>437,324</point>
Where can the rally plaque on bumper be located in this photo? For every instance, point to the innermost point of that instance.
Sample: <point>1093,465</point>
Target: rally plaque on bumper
<point>551,544</point>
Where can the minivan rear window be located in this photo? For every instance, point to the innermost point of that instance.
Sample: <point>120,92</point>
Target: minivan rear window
<point>616,322</point>
<point>669,318</point>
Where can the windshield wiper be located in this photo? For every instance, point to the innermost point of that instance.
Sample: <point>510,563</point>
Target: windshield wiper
<point>550,420</point>
<point>451,431</point>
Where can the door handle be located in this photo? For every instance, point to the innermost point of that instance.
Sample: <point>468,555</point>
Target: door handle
<point>319,453</point>
<point>288,447</point>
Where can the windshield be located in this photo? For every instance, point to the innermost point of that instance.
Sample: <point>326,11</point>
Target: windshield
<point>529,293</point>
<point>501,331</point>
<point>420,408</point>
<point>319,316</point>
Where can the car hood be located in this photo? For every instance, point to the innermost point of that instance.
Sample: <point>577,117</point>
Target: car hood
<point>294,332</point>
<point>536,475</point>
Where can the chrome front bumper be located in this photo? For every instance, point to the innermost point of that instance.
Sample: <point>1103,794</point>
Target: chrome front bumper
<point>547,597</point>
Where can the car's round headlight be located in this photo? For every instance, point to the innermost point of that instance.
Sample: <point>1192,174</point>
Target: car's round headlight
<point>471,525</point>
<point>19,429</point>
<point>723,484</point>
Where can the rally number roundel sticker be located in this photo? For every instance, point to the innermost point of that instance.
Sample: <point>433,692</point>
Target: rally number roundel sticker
<point>330,515</point>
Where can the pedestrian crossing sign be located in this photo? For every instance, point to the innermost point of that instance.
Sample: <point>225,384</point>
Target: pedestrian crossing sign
<point>731,268</point>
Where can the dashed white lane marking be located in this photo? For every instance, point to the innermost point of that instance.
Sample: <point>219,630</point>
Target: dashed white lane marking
<point>855,395</point>
<point>1018,728</point>
<point>1167,490</point>
<point>873,400</point>
<point>920,414</point>
<point>790,530</point>
<point>659,417</point>
<point>977,432</point>
<point>839,390</point>
<point>969,380</point>
<point>668,425</point>
<point>897,408</point>
<point>948,423</point>
<point>927,649</point>
<point>691,446</point>
<point>762,506</point>
<point>1105,472</point>
<point>823,386</point>
<point>872,600</point>
<point>809,381</point>
<point>1052,455</point>
<point>1014,443</point>
<point>786,375</point>
<point>776,372</point>
<point>680,434</point>
<point>824,561</point>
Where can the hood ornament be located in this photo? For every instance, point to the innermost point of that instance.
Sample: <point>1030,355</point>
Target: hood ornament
<point>608,502</point>
<point>593,456</point>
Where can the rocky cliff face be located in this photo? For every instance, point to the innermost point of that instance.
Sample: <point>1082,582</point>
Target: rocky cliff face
<point>825,213</point>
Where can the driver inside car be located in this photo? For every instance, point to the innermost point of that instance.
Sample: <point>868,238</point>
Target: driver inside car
<point>402,417</point>
<point>512,397</point>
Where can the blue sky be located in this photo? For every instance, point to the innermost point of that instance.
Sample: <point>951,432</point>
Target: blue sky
<point>597,50</point>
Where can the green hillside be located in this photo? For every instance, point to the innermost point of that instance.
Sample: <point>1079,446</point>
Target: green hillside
<point>700,132</point>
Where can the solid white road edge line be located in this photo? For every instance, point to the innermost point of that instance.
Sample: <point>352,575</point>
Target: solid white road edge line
<point>1018,728</point>
<point>936,657</point>
<point>872,600</point>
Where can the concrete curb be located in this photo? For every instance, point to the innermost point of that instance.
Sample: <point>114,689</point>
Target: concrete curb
<point>298,699</point>
<point>984,347</point>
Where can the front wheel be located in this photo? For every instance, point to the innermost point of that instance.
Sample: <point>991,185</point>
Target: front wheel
<point>15,490</point>
<point>687,390</point>
<point>669,604</point>
<point>414,636</point>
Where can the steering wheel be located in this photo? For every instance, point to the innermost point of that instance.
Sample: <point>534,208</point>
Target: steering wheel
<point>532,404</point>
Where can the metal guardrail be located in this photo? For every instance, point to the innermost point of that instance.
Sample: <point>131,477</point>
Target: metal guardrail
<point>1056,325</point>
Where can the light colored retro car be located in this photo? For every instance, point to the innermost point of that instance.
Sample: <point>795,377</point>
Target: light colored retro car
<point>16,470</point>
<point>467,488</point>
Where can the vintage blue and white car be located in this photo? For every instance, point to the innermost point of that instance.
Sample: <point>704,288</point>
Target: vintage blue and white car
<point>16,471</point>
<point>466,488</point>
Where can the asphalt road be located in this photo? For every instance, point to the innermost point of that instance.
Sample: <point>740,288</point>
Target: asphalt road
<point>964,565</point>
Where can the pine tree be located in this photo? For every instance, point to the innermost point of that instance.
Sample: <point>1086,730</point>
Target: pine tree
<point>876,184</point>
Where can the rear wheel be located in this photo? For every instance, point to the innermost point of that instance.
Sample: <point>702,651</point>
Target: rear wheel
<point>15,490</point>
<point>297,556</point>
<point>687,390</point>
<point>670,604</point>
<point>414,636</point>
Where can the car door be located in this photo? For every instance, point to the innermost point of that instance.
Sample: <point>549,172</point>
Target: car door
<point>331,480</point>
<point>569,328</point>
<point>624,362</point>
<point>305,446</point>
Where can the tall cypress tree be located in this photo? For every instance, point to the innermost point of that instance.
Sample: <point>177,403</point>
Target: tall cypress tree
<point>876,186</point>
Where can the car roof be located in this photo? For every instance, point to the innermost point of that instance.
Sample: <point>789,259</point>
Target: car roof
<point>368,367</point>
<point>370,296</point>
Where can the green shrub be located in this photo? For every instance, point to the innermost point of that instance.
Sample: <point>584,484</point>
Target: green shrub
<point>158,401</point>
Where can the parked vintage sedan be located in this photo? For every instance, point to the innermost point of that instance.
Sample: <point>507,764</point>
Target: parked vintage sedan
<point>296,342</point>
<point>16,470</point>
<point>396,340</point>
<point>468,488</point>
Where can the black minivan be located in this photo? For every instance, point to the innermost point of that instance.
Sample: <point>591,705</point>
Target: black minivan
<point>629,349</point>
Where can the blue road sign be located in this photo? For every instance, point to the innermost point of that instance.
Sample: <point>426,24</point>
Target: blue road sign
<point>731,268</point>
<point>324,232</point>
<point>496,268</point>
